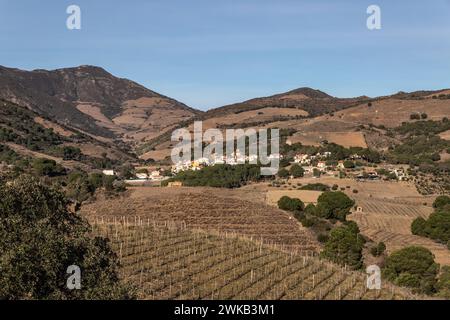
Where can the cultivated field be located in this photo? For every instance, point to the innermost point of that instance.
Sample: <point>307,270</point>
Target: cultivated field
<point>209,209</point>
<point>168,261</point>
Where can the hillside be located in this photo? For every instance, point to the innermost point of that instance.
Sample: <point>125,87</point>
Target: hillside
<point>30,135</point>
<point>92,100</point>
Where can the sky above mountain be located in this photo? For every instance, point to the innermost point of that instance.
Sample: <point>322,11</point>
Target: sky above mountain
<point>210,53</point>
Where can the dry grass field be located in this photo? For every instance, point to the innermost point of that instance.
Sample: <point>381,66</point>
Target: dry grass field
<point>392,112</point>
<point>445,135</point>
<point>346,139</point>
<point>168,261</point>
<point>306,196</point>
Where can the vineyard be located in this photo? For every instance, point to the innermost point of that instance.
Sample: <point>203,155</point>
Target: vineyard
<point>170,261</point>
<point>207,211</point>
<point>389,221</point>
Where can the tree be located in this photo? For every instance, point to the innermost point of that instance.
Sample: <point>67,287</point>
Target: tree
<point>378,250</point>
<point>283,173</point>
<point>441,201</point>
<point>290,204</point>
<point>47,167</point>
<point>334,205</point>
<point>297,171</point>
<point>344,246</point>
<point>443,285</point>
<point>418,227</point>
<point>437,227</point>
<point>412,267</point>
<point>40,239</point>
<point>349,164</point>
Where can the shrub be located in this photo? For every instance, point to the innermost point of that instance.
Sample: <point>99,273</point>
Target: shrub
<point>322,238</point>
<point>40,239</point>
<point>378,250</point>
<point>290,204</point>
<point>412,267</point>
<point>443,285</point>
<point>316,187</point>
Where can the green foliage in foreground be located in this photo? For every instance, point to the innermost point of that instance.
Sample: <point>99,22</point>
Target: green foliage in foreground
<point>412,267</point>
<point>220,176</point>
<point>40,239</point>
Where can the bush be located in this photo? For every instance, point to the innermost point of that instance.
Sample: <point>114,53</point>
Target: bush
<point>322,238</point>
<point>412,267</point>
<point>378,250</point>
<point>316,187</point>
<point>290,204</point>
<point>40,239</point>
<point>443,285</point>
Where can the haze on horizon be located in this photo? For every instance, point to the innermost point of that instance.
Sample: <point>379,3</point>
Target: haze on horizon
<point>208,54</point>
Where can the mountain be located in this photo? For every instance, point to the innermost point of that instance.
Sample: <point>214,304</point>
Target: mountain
<point>313,102</point>
<point>94,101</point>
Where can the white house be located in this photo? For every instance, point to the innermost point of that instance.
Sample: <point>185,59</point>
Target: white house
<point>142,176</point>
<point>109,172</point>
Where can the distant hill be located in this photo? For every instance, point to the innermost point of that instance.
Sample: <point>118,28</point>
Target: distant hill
<point>92,100</point>
<point>314,102</point>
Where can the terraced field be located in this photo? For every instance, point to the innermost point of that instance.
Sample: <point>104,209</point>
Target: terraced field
<point>390,221</point>
<point>169,261</point>
<point>205,209</point>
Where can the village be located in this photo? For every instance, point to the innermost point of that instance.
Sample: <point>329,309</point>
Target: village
<point>315,166</point>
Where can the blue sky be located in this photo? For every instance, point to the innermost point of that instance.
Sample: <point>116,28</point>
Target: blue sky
<point>209,53</point>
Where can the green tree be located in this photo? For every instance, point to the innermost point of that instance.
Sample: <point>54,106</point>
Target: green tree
<point>283,173</point>
<point>378,250</point>
<point>290,204</point>
<point>47,167</point>
<point>412,267</point>
<point>344,246</point>
<point>349,164</point>
<point>441,201</point>
<point>40,239</point>
<point>443,285</point>
<point>334,205</point>
<point>297,171</point>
